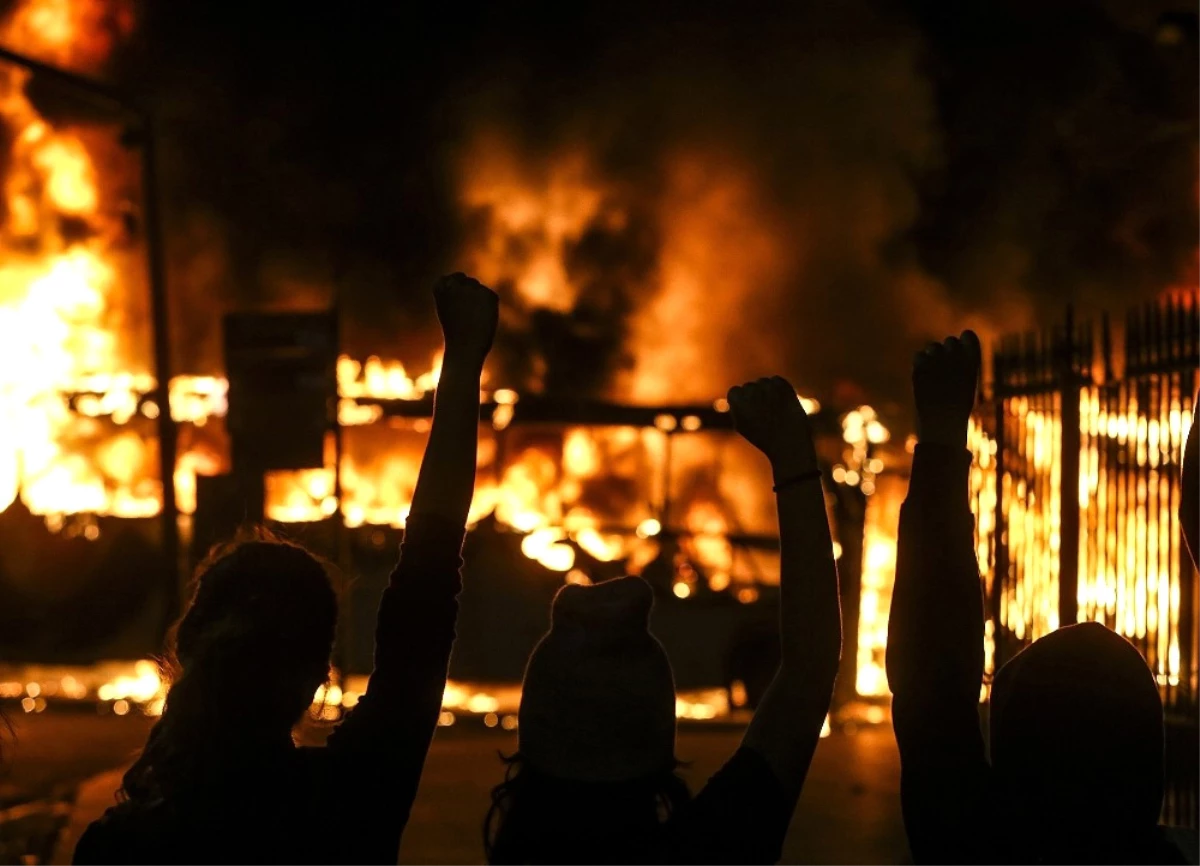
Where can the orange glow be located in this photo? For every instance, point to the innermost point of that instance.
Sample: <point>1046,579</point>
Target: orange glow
<point>79,435</point>
<point>70,398</point>
<point>70,181</point>
<point>648,528</point>
<point>533,215</point>
<point>126,687</point>
<point>720,248</point>
<point>581,457</point>
<point>983,504</point>
<point>1130,559</point>
<point>1129,575</point>
<point>79,34</point>
<point>878,576</point>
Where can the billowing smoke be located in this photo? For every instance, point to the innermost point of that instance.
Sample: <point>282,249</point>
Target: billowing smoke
<point>670,203</point>
<point>1070,141</point>
<point>758,172</point>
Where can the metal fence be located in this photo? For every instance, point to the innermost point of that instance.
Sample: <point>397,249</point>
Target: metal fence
<point>1077,487</point>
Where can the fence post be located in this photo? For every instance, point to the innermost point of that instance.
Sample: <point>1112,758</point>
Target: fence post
<point>1068,550</point>
<point>1000,557</point>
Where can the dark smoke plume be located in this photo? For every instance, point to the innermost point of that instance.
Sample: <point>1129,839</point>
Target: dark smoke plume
<point>919,166</point>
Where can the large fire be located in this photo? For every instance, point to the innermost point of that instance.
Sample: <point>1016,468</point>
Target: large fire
<point>1129,576</point>
<point>77,385</point>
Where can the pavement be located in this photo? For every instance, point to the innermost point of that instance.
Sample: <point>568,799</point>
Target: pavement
<point>849,811</point>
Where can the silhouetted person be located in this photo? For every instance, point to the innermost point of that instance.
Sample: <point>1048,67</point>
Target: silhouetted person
<point>1189,501</point>
<point>594,778</point>
<point>220,780</point>
<point>1076,771</point>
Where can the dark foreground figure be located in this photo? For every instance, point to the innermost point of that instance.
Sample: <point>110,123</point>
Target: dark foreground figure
<point>220,780</point>
<point>594,780</point>
<point>1076,769</point>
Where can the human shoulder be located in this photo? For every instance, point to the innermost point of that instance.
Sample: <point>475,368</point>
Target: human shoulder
<point>1182,841</point>
<point>125,833</point>
<point>741,815</point>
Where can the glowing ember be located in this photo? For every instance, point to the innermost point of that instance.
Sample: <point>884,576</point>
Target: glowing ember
<point>126,686</point>
<point>703,705</point>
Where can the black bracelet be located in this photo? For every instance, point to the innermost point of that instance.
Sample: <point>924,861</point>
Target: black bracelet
<point>797,479</point>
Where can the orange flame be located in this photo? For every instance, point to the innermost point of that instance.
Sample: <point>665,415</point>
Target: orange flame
<point>79,34</point>
<point>76,411</point>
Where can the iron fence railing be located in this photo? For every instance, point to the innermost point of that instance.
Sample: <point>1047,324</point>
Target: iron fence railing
<point>1077,487</point>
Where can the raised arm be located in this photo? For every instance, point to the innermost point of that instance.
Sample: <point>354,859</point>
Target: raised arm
<point>468,311</point>
<point>378,752</point>
<point>787,724</point>
<point>935,631</point>
<point>743,813</point>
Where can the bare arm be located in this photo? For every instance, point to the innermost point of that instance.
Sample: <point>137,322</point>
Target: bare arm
<point>446,481</point>
<point>379,750</point>
<point>743,813</point>
<point>787,725</point>
<point>468,312</point>
<point>935,642</point>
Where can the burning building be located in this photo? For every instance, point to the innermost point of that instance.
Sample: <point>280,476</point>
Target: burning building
<point>605,446</point>
<point>1076,485</point>
<point>581,486</point>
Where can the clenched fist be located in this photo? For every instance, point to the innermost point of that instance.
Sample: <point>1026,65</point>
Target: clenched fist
<point>769,416</point>
<point>945,382</point>
<point>468,311</point>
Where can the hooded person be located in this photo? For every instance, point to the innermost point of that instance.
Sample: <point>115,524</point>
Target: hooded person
<point>594,779</point>
<point>1077,749</point>
<point>1076,719</point>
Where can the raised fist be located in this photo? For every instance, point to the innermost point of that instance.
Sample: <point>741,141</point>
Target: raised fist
<point>468,311</point>
<point>769,416</point>
<point>945,382</point>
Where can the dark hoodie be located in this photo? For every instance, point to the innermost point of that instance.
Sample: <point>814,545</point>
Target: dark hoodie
<point>347,802</point>
<point>1077,727</point>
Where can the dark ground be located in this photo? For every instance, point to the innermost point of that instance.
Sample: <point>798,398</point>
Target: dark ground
<point>849,812</point>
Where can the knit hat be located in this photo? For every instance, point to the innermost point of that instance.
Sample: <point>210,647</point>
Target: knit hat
<point>598,703</point>
<point>1077,722</point>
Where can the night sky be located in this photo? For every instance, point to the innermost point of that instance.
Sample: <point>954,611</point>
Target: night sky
<point>936,165</point>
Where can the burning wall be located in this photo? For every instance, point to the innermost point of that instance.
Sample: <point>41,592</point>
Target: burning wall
<point>72,293</point>
<point>568,249</point>
<point>1131,562</point>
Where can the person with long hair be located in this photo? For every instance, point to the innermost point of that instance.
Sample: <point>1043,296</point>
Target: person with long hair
<point>220,779</point>
<point>1076,721</point>
<point>594,779</point>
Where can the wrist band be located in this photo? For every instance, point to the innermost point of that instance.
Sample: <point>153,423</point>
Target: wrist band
<point>797,479</point>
